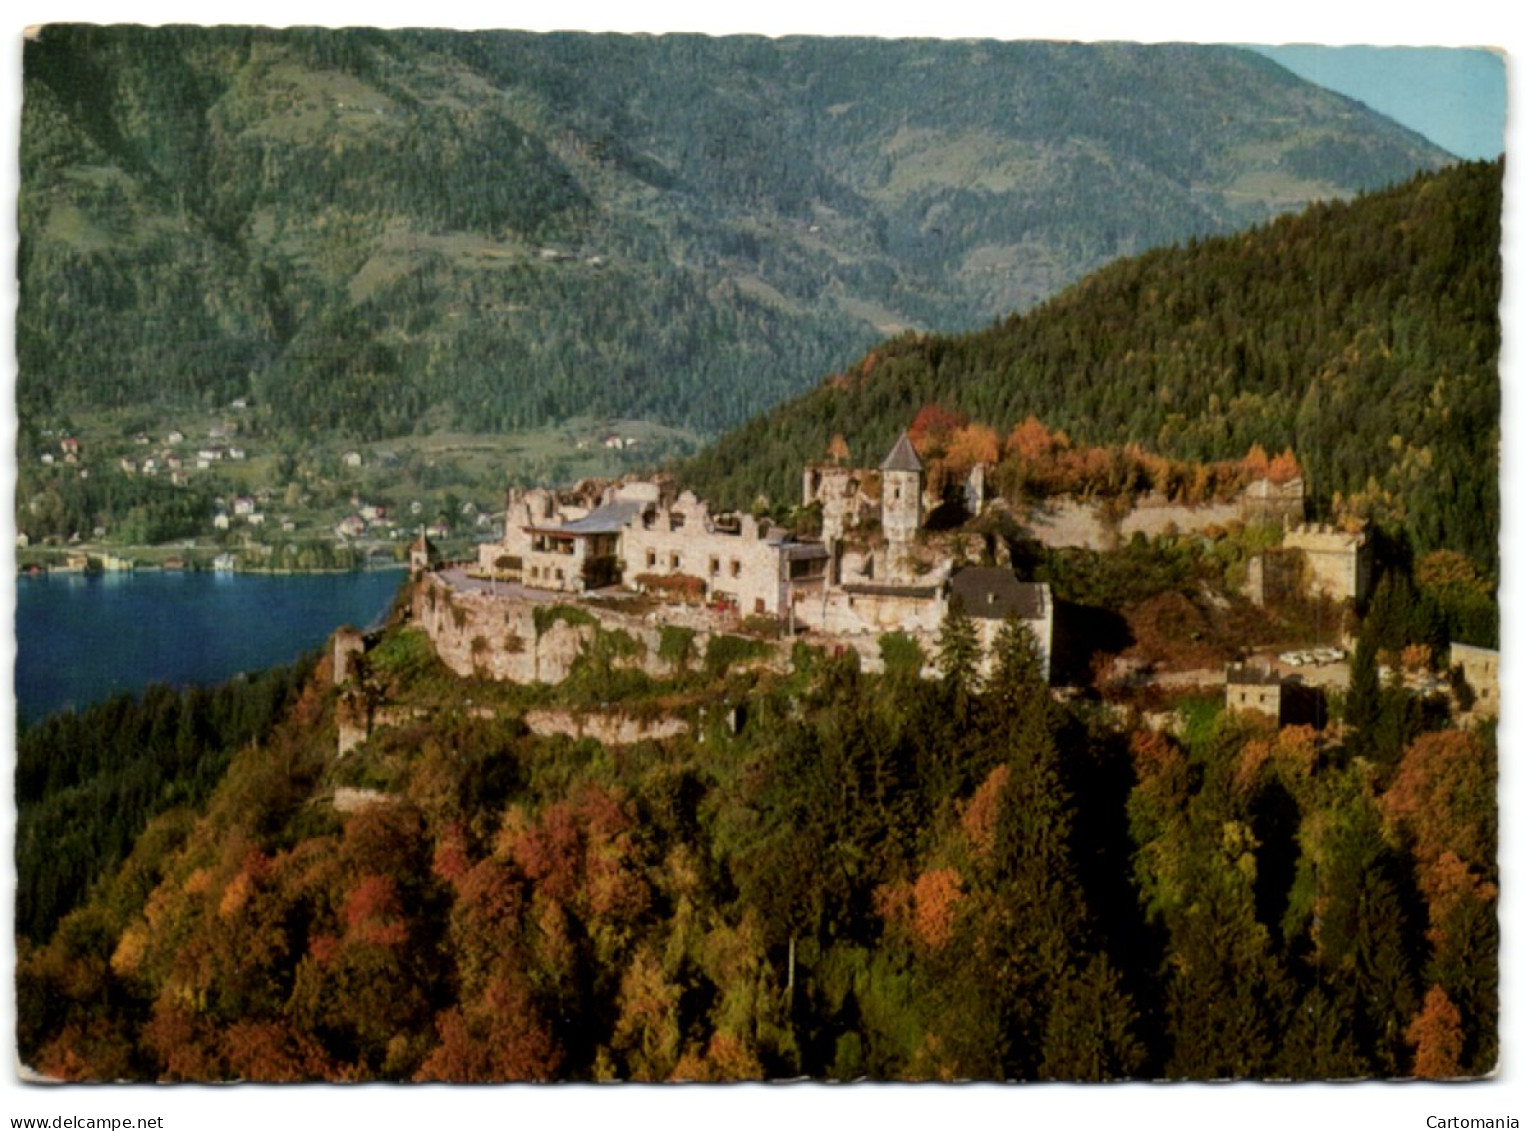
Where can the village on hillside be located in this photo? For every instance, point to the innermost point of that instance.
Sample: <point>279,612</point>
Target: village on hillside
<point>216,490</point>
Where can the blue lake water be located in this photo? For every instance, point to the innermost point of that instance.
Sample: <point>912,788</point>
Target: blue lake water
<point>81,639</point>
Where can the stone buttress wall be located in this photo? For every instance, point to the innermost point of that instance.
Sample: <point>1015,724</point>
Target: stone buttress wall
<point>495,637</point>
<point>606,728</point>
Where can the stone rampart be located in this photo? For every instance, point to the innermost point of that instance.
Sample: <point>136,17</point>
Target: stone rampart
<point>1062,523</point>
<point>496,636</point>
<point>607,728</point>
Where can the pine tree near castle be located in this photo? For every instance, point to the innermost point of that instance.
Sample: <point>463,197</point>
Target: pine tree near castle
<point>957,652</point>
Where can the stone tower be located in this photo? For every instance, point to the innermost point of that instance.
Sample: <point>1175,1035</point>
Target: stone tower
<point>902,492</point>
<point>423,556</point>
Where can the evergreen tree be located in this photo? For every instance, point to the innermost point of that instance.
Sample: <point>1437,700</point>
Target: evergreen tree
<point>1362,702</point>
<point>957,652</point>
<point>1091,1030</point>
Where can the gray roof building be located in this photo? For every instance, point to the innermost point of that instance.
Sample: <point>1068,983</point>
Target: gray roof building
<point>994,593</point>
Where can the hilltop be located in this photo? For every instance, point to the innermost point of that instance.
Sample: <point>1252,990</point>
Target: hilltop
<point>810,872</point>
<point>1364,336</point>
<point>372,233</point>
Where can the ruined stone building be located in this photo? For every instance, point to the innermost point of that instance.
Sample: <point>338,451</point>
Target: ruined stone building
<point>990,596</point>
<point>1285,699</point>
<point>1253,689</point>
<point>870,571</point>
<point>423,556</point>
<point>1315,560</point>
<point>1264,500</point>
<point>1339,561</point>
<point>642,537</point>
<point>1479,667</point>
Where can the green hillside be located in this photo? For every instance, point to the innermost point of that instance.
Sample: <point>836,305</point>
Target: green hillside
<point>365,230</point>
<point>868,877</point>
<point>1363,335</point>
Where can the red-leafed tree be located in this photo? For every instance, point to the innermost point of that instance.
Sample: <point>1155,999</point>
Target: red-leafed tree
<point>932,428</point>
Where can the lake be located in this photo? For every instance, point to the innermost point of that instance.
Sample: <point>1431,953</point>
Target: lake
<point>84,638</point>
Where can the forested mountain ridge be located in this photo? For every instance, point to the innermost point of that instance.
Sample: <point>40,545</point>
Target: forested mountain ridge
<point>869,877</point>
<point>1365,336</point>
<point>495,230</point>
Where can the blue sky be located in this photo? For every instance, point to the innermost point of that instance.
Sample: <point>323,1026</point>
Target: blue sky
<point>1454,96</point>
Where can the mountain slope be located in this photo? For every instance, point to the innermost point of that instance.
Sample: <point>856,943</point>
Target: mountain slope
<point>357,227</point>
<point>826,890</point>
<point>1365,336</point>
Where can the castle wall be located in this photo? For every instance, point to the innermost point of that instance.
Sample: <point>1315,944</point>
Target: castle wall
<point>841,493</point>
<point>988,629</point>
<point>1153,515</point>
<point>740,566</point>
<point>349,645</point>
<point>352,723</point>
<point>853,614</point>
<point>481,634</point>
<point>1266,501</point>
<point>1274,577</point>
<point>495,637</point>
<point>606,728</point>
<point>1479,667</point>
<point>1062,523</point>
<point>1338,562</point>
<point>348,799</point>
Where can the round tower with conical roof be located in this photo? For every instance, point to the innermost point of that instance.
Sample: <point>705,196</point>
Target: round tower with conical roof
<point>902,492</point>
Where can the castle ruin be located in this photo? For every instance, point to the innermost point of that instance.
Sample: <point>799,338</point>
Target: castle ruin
<point>871,570</point>
<point>1318,560</point>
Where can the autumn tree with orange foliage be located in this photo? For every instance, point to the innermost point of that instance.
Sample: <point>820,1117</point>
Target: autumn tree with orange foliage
<point>1284,468</point>
<point>971,445</point>
<point>497,1037</point>
<point>1435,1033</point>
<point>1444,798</point>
